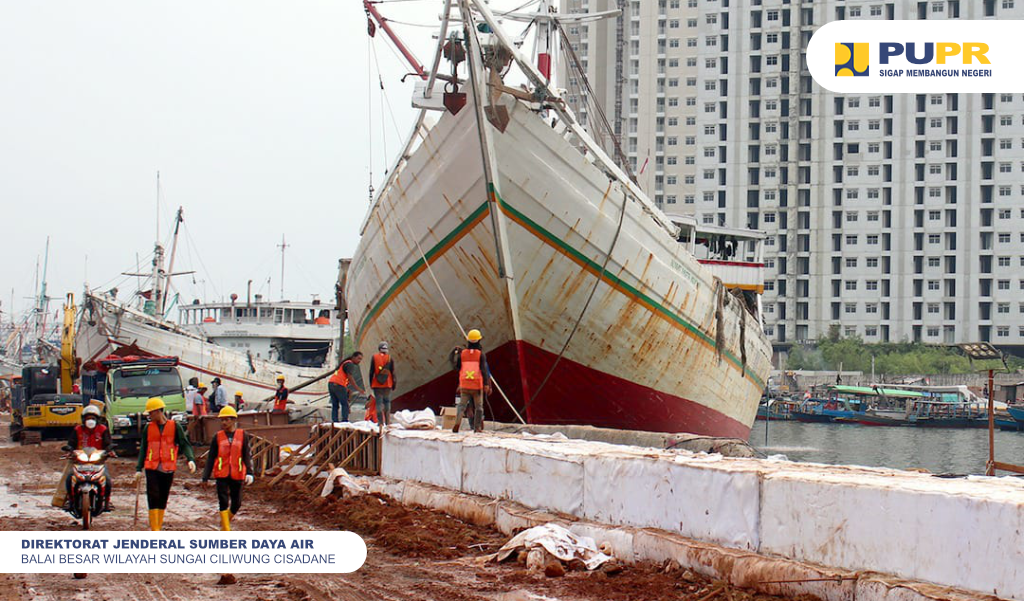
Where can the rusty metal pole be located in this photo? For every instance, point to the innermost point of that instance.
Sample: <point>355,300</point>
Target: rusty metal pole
<point>991,469</point>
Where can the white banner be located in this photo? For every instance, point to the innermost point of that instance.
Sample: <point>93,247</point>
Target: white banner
<point>890,57</point>
<point>174,552</point>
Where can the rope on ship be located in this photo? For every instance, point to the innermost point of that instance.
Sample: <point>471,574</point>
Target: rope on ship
<point>451,311</point>
<point>720,303</point>
<point>590,297</point>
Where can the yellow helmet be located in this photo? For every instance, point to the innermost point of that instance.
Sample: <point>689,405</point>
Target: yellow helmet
<point>474,336</point>
<point>201,385</point>
<point>238,393</point>
<point>153,404</point>
<point>228,412</point>
<point>280,378</point>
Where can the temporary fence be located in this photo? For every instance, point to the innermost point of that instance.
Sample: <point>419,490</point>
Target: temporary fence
<point>357,450</point>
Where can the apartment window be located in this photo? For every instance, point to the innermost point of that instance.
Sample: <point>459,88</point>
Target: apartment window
<point>851,262</point>
<point>875,101</point>
<point>1003,331</point>
<point>935,146</point>
<point>852,171</point>
<point>850,331</point>
<point>933,261</point>
<point>934,238</point>
<point>936,99</point>
<point>1005,190</point>
<point>937,7</point>
<point>935,122</point>
<point>771,38</point>
<point>872,215</point>
<point>871,331</point>
<point>1006,98</point>
<point>708,219</point>
<point>933,284</point>
<point>769,218</point>
<point>854,11</point>
<point>671,160</point>
<point>874,148</point>
<point>772,82</point>
<point>853,125</point>
<point>876,10</point>
<point>690,43</point>
<point>673,121</point>
<point>1005,168</point>
<point>771,105</point>
<point>711,41</point>
<point>934,215</point>
<point>850,308</point>
<point>872,284</point>
<point>1004,238</point>
<point>852,194</point>
<point>710,85</point>
<point>872,239</point>
<point>674,62</point>
<point>691,101</point>
<point>691,121</point>
<point>771,60</point>
<point>673,82</point>
<point>691,82</point>
<point>872,262</point>
<point>851,240</point>
<point>670,199</point>
<point>709,174</point>
<point>710,107</point>
<point>690,160</point>
<point>1006,120</point>
<point>1003,285</point>
<point>710,130</point>
<point>674,24</point>
<point>935,169</point>
<point>769,172</point>
<point>672,141</point>
<point>873,170</point>
<point>689,179</point>
<point>851,216</point>
<point>670,180</point>
<point>769,195</point>
<point>874,124</point>
<point>691,140</point>
<point>1005,213</point>
<point>673,102</point>
<point>689,199</point>
<point>1005,144</point>
<point>712,18</point>
<point>772,15</point>
<point>933,308</point>
<point>770,127</point>
<point>873,194</point>
<point>851,284</point>
<point>871,308</point>
<point>770,149</point>
<point>853,102</point>
<point>709,63</point>
<point>1003,308</point>
<point>709,152</point>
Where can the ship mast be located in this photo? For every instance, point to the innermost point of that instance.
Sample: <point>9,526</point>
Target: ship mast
<point>174,249</point>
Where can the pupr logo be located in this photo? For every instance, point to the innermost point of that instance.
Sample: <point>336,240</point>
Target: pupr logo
<point>852,59</point>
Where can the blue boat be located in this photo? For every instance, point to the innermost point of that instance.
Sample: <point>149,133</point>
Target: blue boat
<point>1017,413</point>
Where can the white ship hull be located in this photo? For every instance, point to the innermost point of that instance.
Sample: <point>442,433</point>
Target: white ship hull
<point>107,325</point>
<point>648,353</point>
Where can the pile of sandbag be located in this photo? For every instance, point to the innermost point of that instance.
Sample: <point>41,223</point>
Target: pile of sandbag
<point>553,549</point>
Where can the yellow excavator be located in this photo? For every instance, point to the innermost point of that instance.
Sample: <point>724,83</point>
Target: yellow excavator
<point>45,401</point>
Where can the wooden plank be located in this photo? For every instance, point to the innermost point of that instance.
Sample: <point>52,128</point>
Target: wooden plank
<point>292,459</point>
<point>353,453</point>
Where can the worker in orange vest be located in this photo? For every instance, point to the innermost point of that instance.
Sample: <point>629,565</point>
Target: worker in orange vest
<point>474,381</point>
<point>230,463</point>
<point>281,401</point>
<point>158,454</point>
<point>382,382</point>
<point>199,404</point>
<point>346,379</point>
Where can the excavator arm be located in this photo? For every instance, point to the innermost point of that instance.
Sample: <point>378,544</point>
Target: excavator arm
<point>68,367</point>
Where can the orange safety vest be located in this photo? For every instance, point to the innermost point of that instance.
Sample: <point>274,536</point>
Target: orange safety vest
<point>199,405</point>
<point>90,438</point>
<point>340,377</point>
<point>229,456</point>
<point>162,447</point>
<point>380,361</point>
<point>470,377</point>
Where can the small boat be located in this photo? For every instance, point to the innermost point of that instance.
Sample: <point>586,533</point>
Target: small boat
<point>776,410</point>
<point>1017,413</point>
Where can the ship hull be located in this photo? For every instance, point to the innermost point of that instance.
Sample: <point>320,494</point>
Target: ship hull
<point>640,342</point>
<point>107,326</point>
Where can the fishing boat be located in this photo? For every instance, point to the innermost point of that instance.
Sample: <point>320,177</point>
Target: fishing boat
<point>505,215</point>
<point>776,409</point>
<point>244,332</point>
<point>1017,413</point>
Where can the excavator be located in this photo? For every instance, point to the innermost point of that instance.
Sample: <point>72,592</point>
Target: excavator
<point>44,403</point>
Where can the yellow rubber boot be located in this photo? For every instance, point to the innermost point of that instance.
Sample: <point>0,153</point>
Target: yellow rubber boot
<point>225,520</point>
<point>154,519</point>
<point>160,518</point>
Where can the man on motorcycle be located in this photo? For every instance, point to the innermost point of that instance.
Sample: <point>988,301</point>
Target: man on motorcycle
<point>92,434</point>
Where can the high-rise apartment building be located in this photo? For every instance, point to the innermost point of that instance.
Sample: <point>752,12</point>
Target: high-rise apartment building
<point>894,217</point>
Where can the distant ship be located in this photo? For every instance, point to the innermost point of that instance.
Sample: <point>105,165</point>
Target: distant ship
<point>245,344</point>
<point>596,307</point>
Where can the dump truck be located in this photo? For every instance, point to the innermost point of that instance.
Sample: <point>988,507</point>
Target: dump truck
<point>124,384</point>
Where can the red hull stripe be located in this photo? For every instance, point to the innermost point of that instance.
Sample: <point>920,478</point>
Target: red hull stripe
<point>578,395</point>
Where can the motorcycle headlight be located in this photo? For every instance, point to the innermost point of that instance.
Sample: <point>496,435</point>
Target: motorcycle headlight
<point>81,456</point>
<point>122,422</point>
<point>96,456</point>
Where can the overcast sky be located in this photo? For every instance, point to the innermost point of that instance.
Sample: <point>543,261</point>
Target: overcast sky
<point>254,112</point>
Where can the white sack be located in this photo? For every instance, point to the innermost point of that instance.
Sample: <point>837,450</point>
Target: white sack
<point>557,541</point>
<point>415,420</point>
<point>339,477</point>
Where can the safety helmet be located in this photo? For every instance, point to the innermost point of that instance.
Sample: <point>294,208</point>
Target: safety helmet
<point>228,412</point>
<point>201,386</point>
<point>474,336</point>
<point>91,410</point>
<point>238,393</point>
<point>153,404</point>
<point>383,346</point>
<point>280,378</point>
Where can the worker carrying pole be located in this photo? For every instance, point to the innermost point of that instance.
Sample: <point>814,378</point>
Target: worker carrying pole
<point>230,462</point>
<point>158,454</point>
<point>474,380</point>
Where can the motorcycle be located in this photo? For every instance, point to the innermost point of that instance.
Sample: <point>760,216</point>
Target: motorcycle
<point>88,481</point>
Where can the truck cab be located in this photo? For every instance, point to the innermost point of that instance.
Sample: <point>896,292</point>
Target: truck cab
<point>128,384</point>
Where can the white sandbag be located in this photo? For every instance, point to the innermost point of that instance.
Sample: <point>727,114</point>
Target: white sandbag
<point>432,458</point>
<point>339,478</point>
<point>415,420</point>
<point>531,473</point>
<point>557,541</point>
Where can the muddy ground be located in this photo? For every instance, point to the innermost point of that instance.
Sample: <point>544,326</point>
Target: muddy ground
<point>413,554</point>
